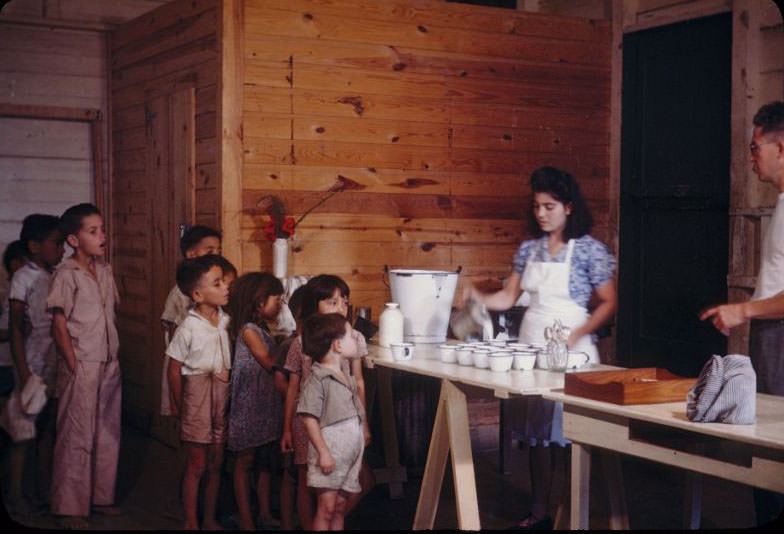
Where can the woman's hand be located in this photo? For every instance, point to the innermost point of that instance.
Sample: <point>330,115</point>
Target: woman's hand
<point>726,316</point>
<point>574,337</point>
<point>326,462</point>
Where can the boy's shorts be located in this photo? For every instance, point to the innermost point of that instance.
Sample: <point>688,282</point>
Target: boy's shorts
<point>204,412</point>
<point>346,443</point>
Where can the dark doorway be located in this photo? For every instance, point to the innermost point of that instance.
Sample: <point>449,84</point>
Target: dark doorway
<point>674,204</point>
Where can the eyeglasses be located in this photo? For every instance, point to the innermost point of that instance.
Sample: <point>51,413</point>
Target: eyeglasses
<point>754,148</point>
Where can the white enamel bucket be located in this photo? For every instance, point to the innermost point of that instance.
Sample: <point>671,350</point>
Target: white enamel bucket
<point>425,298</point>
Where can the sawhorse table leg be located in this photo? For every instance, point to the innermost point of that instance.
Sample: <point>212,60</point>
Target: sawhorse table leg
<point>450,434</point>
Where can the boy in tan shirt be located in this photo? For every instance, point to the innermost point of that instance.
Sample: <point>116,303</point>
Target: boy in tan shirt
<point>198,372</point>
<point>82,298</point>
<point>333,416</point>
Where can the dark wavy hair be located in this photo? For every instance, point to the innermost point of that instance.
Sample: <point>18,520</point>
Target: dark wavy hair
<point>320,331</point>
<point>250,290</point>
<point>319,288</point>
<point>193,235</point>
<point>770,118</point>
<point>37,227</point>
<point>190,271</point>
<point>564,188</point>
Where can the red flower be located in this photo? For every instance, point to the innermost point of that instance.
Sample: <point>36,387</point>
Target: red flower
<point>269,230</point>
<point>288,226</point>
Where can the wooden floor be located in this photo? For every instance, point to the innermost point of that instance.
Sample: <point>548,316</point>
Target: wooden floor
<point>147,490</point>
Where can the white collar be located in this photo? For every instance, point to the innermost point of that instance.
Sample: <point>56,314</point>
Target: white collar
<point>223,318</point>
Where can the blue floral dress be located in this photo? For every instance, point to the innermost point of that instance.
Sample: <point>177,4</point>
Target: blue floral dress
<point>256,408</point>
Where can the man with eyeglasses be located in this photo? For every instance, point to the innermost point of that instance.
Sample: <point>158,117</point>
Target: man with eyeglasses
<point>765,310</point>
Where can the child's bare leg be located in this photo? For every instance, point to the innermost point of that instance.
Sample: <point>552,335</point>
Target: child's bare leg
<point>242,465</point>
<point>339,514</point>
<point>287,489</point>
<point>263,494</point>
<point>16,458</point>
<point>366,482</point>
<point>304,499</point>
<point>214,463</point>
<point>46,455</point>
<point>196,461</point>
<point>325,509</point>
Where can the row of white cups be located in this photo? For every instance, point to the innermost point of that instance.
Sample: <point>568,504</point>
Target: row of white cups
<point>495,355</point>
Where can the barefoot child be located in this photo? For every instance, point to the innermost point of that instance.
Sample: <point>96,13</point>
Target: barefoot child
<point>196,241</point>
<point>198,373</point>
<point>324,294</point>
<point>34,357</point>
<point>256,412</point>
<point>333,416</point>
<point>82,298</point>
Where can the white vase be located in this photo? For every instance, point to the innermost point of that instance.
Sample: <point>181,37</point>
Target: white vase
<point>280,257</point>
<point>390,325</point>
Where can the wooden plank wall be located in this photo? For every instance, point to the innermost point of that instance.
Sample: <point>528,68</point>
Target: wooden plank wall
<point>45,166</point>
<point>433,113</point>
<point>166,50</point>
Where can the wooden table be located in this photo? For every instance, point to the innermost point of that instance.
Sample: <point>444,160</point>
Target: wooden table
<point>451,427</point>
<point>749,454</point>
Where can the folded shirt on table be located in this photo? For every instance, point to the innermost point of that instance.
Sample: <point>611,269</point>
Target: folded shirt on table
<point>725,392</point>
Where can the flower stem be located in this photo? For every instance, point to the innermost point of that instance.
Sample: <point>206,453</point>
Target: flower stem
<point>316,205</point>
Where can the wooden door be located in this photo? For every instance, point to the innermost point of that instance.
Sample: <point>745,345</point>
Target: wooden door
<point>170,145</point>
<point>674,192</point>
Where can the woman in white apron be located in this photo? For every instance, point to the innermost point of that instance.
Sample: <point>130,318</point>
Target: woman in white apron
<point>560,271</point>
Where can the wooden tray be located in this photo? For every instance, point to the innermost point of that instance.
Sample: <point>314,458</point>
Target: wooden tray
<point>646,385</point>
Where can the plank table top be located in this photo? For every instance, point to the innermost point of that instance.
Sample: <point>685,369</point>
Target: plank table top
<point>768,431</point>
<point>426,361</point>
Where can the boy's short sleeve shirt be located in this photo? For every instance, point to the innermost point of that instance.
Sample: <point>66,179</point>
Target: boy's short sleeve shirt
<point>329,399</point>
<point>201,347</point>
<point>88,303</point>
<point>176,308</point>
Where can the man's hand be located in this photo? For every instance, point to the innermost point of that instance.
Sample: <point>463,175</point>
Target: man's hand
<point>725,316</point>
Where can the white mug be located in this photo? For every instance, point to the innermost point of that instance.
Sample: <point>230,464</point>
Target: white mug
<point>524,361</point>
<point>447,353</point>
<point>402,351</point>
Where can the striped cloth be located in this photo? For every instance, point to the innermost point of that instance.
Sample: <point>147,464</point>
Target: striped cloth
<point>725,392</point>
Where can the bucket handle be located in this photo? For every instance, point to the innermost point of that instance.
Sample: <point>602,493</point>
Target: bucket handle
<point>385,274</point>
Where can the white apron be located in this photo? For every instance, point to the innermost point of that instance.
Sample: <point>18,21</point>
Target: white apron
<point>548,286</point>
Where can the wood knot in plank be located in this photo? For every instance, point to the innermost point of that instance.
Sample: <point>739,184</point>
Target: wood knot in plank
<point>427,247</point>
<point>395,139</point>
<point>444,202</point>
<point>413,183</point>
<point>320,129</point>
<point>371,169</point>
<point>399,66</point>
<point>507,137</point>
<point>422,29</point>
<point>307,16</point>
<point>353,101</point>
<point>346,184</point>
<point>463,74</point>
<point>273,176</point>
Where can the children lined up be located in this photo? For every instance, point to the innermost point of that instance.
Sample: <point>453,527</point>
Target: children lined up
<point>226,378</point>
